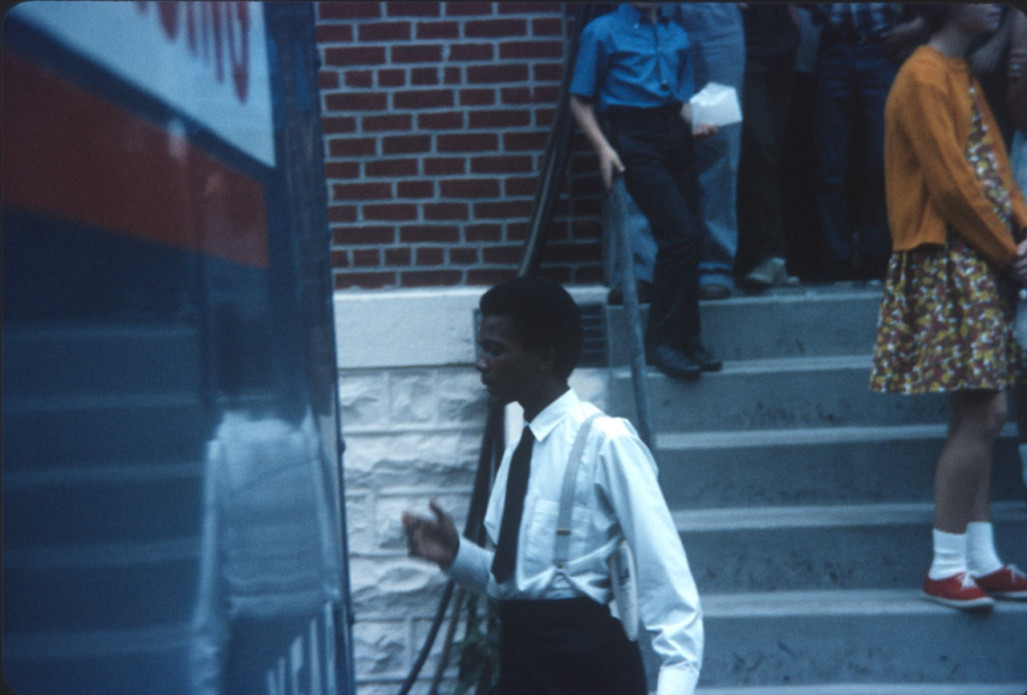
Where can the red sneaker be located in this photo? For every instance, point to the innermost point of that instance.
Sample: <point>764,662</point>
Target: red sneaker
<point>1008,582</point>
<point>959,591</point>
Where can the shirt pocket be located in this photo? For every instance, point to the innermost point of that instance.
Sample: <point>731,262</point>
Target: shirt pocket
<point>540,546</point>
<point>540,537</point>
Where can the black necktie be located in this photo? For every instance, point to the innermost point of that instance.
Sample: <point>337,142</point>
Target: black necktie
<point>516,485</point>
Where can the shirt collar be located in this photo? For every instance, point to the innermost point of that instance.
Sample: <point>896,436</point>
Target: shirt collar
<point>635,17</point>
<point>553,414</point>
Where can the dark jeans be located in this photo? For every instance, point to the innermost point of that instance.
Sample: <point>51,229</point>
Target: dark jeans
<point>655,146</point>
<point>766,99</point>
<point>853,84</point>
<point>566,647</point>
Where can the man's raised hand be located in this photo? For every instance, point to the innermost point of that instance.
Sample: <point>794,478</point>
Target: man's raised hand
<point>432,539</point>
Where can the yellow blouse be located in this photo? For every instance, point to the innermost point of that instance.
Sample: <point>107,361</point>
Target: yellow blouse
<point>928,181</point>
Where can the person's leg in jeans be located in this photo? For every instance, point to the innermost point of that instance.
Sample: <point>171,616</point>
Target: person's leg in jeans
<point>767,99</point>
<point>717,37</point>
<point>834,119</point>
<point>877,73</point>
<point>716,159</point>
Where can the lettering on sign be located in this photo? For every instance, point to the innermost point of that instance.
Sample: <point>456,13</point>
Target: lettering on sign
<point>216,33</point>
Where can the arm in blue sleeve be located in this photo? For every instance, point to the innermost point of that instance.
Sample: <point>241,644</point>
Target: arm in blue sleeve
<point>589,65</point>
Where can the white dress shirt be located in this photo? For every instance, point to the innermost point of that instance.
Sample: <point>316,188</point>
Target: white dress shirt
<point>616,496</point>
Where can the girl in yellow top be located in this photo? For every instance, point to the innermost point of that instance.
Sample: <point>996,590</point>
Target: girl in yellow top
<point>957,223</point>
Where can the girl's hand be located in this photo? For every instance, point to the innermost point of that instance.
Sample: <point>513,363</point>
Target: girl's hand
<point>1018,268</point>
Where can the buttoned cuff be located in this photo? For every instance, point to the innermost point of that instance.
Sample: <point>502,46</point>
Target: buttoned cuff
<point>677,681</point>
<point>471,565</point>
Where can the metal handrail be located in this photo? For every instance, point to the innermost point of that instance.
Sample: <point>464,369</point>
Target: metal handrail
<point>632,316</point>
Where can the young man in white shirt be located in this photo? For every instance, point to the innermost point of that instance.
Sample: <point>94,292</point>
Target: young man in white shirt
<point>557,636</point>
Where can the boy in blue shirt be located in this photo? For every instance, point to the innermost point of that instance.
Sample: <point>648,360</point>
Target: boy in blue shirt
<point>634,67</point>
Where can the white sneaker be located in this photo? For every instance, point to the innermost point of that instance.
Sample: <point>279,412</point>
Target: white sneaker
<point>769,272</point>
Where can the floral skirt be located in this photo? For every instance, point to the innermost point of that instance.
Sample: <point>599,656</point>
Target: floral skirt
<point>946,324</point>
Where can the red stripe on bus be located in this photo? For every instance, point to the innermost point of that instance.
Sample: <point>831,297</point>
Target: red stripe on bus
<point>71,154</point>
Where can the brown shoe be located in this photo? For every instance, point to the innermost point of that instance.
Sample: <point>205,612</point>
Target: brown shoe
<point>672,362</point>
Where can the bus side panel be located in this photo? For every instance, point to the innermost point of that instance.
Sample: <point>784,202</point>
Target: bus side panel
<point>172,494</point>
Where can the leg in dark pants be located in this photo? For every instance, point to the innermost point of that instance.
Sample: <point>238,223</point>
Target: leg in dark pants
<point>655,146</point>
<point>877,74</point>
<point>766,100</point>
<point>836,109</point>
<point>566,647</point>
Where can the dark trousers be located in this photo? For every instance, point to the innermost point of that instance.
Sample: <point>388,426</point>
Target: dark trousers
<point>655,146</point>
<point>853,84</point>
<point>766,98</point>
<point>565,647</point>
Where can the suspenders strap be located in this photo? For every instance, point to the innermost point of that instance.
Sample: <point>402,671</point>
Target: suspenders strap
<point>563,521</point>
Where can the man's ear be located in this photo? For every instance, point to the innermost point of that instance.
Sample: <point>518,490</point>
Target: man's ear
<point>546,360</point>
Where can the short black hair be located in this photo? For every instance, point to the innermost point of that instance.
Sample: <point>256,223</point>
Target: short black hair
<point>544,315</point>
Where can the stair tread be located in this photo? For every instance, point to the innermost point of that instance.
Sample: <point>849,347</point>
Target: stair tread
<point>872,689</point>
<point>802,294</point>
<point>832,602</point>
<point>101,401</point>
<point>803,435</point>
<point>770,364</point>
<point>876,514</point>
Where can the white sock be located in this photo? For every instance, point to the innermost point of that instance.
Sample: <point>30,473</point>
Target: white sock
<point>1023,462</point>
<point>949,555</point>
<point>981,558</point>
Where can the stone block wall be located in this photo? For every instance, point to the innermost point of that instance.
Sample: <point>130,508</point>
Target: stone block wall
<point>411,434</point>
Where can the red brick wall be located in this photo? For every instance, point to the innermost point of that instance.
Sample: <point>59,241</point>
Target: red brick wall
<point>435,118</point>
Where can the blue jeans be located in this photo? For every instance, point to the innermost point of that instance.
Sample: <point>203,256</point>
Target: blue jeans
<point>853,84</point>
<point>635,224</point>
<point>718,41</point>
<point>766,104</point>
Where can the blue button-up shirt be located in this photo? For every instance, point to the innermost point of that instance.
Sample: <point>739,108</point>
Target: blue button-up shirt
<point>626,60</point>
<point>873,17</point>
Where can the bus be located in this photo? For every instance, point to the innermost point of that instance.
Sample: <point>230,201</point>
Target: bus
<point>173,517</point>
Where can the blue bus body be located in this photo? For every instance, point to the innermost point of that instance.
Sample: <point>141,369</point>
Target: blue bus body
<point>172,493</point>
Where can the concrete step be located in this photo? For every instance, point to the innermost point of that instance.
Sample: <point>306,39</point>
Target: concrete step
<point>135,358</point>
<point>775,394</point>
<point>143,504</point>
<point>829,465</point>
<point>859,638</point>
<point>51,433</point>
<point>824,547</point>
<point>102,662</point>
<point>874,689</point>
<point>788,322</point>
<point>100,587</point>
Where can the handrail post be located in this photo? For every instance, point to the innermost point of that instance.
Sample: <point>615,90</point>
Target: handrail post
<point>632,314</point>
